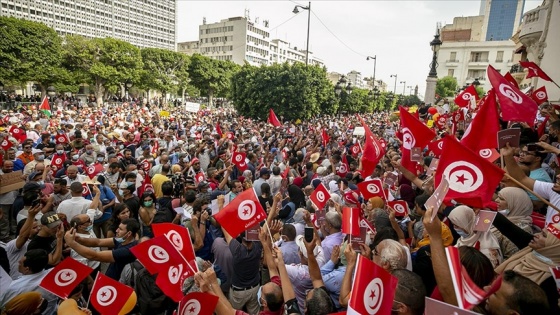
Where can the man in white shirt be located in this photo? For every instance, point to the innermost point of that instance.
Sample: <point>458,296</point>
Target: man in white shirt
<point>77,205</point>
<point>84,229</point>
<point>72,175</point>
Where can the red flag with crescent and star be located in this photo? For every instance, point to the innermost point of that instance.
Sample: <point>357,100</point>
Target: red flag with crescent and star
<point>109,296</point>
<point>534,70</point>
<point>373,289</point>
<point>157,253</point>
<point>415,134</point>
<point>198,303</point>
<point>241,213</point>
<point>540,95</point>
<point>472,179</point>
<point>320,196</point>
<point>463,99</point>
<point>238,158</point>
<point>180,238</point>
<point>372,188</point>
<point>372,151</point>
<point>64,277</point>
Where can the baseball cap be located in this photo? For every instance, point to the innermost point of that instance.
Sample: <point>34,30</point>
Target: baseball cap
<point>264,171</point>
<point>203,184</point>
<point>33,175</point>
<point>51,220</point>
<point>31,186</point>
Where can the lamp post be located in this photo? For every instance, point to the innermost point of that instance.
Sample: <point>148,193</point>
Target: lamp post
<point>409,89</point>
<point>395,88</point>
<point>296,11</point>
<point>342,86</point>
<point>374,66</point>
<point>127,85</point>
<point>431,81</point>
<point>404,87</point>
<point>51,92</point>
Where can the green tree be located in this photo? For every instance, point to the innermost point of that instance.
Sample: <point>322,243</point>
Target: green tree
<point>104,63</point>
<point>30,51</point>
<point>164,70</point>
<point>211,77</point>
<point>292,91</point>
<point>446,87</point>
<point>358,101</point>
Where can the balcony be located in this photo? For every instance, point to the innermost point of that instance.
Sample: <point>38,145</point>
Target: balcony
<point>479,62</point>
<point>534,23</point>
<point>452,63</point>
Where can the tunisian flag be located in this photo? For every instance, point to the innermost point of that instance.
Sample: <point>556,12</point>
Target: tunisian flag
<point>534,70</point>
<point>342,169</point>
<point>373,289</point>
<point>18,133</point>
<point>486,122</point>
<point>198,303</point>
<point>400,207</point>
<point>415,134</point>
<point>272,119</point>
<point>156,253</point>
<point>146,185</point>
<point>179,238</point>
<point>64,277</point>
<point>372,188</point>
<point>472,179</point>
<point>372,151</point>
<point>320,196</point>
<point>515,105</point>
<point>93,170</point>
<point>351,221</point>
<point>241,213</point>
<point>325,137</point>
<point>540,95</point>
<point>109,296</point>
<point>218,129</point>
<point>238,158</point>
<point>463,99</point>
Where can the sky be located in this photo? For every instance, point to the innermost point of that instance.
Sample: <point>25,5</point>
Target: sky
<point>344,33</point>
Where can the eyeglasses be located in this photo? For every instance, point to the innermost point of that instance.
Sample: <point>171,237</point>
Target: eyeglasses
<point>86,222</point>
<point>375,252</point>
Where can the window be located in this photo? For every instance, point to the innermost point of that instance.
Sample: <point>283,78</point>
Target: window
<point>479,56</point>
<point>500,56</point>
<point>450,72</point>
<point>453,56</point>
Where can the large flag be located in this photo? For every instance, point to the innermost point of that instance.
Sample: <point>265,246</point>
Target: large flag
<point>514,104</point>
<point>170,280</point>
<point>320,196</point>
<point>415,134</point>
<point>156,254</point>
<point>373,289</point>
<point>540,95</point>
<point>238,158</point>
<point>372,151</point>
<point>351,221</point>
<point>272,119</point>
<point>64,277</point>
<point>198,303</point>
<point>179,238</point>
<point>45,107</point>
<point>94,169</point>
<point>472,179</point>
<point>463,99</point>
<point>534,70</point>
<point>486,122</point>
<point>241,213</point>
<point>511,80</point>
<point>468,293</point>
<point>18,133</point>
<point>372,188</point>
<point>325,137</point>
<point>109,297</point>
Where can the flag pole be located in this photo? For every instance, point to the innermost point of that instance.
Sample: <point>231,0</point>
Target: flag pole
<point>268,230</point>
<point>93,286</point>
<point>531,191</point>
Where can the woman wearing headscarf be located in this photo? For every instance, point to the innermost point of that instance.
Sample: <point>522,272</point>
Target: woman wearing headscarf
<point>463,219</point>
<point>296,200</point>
<point>332,201</point>
<point>538,253</point>
<point>407,194</point>
<point>333,188</point>
<point>25,304</point>
<point>516,206</point>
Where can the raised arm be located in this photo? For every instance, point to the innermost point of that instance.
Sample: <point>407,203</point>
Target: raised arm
<point>314,270</point>
<point>27,226</point>
<point>408,174</point>
<point>513,169</point>
<point>346,288</point>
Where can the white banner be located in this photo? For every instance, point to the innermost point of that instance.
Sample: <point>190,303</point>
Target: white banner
<point>192,107</point>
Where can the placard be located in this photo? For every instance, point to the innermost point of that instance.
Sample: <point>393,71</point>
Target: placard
<point>483,221</point>
<point>11,181</point>
<point>192,107</point>
<point>511,135</point>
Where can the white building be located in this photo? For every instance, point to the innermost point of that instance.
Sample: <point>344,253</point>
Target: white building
<point>237,39</point>
<point>188,48</point>
<point>281,51</point>
<point>465,55</point>
<point>539,42</point>
<point>355,77</point>
<point>144,23</point>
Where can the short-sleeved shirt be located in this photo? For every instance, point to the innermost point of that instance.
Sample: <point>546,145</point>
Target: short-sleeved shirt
<point>276,280</point>
<point>545,190</point>
<point>246,264</point>
<point>122,256</point>
<point>539,175</point>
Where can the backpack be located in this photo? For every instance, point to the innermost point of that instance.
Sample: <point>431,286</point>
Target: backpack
<point>150,298</point>
<point>165,213</point>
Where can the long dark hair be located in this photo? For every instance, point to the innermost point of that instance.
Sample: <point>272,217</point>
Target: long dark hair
<point>296,196</point>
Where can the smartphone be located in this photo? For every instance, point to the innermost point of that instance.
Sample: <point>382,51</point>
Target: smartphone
<point>35,203</point>
<point>308,234</point>
<point>531,147</point>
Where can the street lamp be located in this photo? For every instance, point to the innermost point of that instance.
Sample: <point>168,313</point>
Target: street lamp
<point>394,89</point>
<point>341,85</point>
<point>475,82</point>
<point>431,81</point>
<point>51,91</point>
<point>296,11</point>
<point>410,89</point>
<point>404,87</point>
<point>127,86</point>
<point>374,66</point>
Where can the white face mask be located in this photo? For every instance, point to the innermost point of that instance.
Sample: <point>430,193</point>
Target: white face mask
<point>462,233</point>
<point>543,258</point>
<point>504,212</point>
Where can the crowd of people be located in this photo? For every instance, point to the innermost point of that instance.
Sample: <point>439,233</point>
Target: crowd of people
<point>95,180</point>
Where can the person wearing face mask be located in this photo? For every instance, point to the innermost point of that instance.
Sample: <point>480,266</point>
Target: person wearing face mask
<point>118,254</point>
<point>38,157</point>
<point>89,156</point>
<point>463,219</point>
<point>76,161</point>
<point>84,229</point>
<point>515,205</point>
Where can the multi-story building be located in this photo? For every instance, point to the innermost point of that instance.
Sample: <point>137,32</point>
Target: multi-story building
<point>188,48</point>
<point>144,23</point>
<point>466,55</point>
<point>538,41</point>
<point>501,18</point>
<point>237,39</point>
<point>281,51</point>
<point>355,77</point>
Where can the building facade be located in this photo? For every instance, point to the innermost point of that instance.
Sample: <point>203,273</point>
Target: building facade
<point>144,23</point>
<point>188,48</point>
<point>281,51</point>
<point>501,18</point>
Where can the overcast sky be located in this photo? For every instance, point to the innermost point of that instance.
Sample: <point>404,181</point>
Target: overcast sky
<point>398,32</point>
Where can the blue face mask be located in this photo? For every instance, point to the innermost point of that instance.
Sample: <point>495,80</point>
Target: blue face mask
<point>120,239</point>
<point>121,192</point>
<point>462,233</point>
<point>89,228</point>
<point>259,296</point>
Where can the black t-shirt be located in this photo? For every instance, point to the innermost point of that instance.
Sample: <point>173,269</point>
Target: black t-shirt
<point>133,205</point>
<point>122,256</point>
<point>246,264</point>
<point>40,242</point>
<point>49,145</point>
